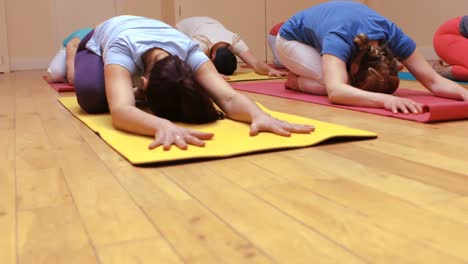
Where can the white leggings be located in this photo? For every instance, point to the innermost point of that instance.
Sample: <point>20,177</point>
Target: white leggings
<point>304,61</point>
<point>57,71</point>
<point>272,44</point>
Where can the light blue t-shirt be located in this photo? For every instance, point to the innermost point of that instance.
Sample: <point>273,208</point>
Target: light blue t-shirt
<point>122,40</point>
<point>80,33</point>
<point>331,27</point>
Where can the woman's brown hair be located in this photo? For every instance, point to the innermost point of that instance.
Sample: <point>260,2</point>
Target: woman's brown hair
<point>373,69</point>
<point>174,94</point>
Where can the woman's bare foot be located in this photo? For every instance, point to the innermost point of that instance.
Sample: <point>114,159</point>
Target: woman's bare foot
<point>441,69</point>
<point>291,82</point>
<point>305,85</point>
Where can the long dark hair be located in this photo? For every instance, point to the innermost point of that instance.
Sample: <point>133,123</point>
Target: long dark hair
<point>174,94</point>
<point>373,69</point>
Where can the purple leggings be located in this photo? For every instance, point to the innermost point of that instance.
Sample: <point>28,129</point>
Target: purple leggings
<point>89,79</point>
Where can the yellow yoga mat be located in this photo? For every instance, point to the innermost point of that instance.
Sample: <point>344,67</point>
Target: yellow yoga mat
<point>250,76</point>
<point>231,137</point>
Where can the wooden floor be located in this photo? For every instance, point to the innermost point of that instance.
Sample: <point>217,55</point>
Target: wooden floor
<point>67,197</point>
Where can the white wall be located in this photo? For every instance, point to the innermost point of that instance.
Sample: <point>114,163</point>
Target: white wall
<point>250,26</point>
<point>35,28</point>
<point>420,18</point>
<point>4,55</point>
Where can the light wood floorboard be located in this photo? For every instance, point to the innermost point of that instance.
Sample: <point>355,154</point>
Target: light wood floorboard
<point>67,197</point>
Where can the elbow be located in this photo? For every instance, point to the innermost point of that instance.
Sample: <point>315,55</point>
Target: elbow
<point>332,98</point>
<point>334,95</point>
<point>117,118</point>
<point>117,122</point>
<point>338,96</point>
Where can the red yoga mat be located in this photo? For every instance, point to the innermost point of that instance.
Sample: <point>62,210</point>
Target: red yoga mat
<point>436,109</point>
<point>60,87</point>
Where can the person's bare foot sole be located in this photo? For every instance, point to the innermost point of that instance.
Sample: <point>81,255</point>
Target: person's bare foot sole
<point>291,82</point>
<point>442,69</point>
<point>439,66</point>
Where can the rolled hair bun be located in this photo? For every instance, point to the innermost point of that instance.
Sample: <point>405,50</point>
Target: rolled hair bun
<point>373,69</point>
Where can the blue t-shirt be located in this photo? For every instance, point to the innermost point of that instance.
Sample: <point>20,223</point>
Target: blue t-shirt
<point>332,26</point>
<point>80,33</point>
<point>123,40</point>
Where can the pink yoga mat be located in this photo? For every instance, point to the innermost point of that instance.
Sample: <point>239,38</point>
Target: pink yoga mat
<point>436,109</point>
<point>60,87</point>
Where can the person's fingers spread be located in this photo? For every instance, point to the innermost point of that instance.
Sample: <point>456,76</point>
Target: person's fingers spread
<point>254,130</point>
<point>180,143</point>
<point>195,141</point>
<point>281,131</point>
<point>154,144</point>
<point>420,108</point>
<point>303,129</point>
<point>403,109</point>
<point>167,145</point>
<point>413,109</point>
<point>158,141</point>
<point>201,135</point>
<point>297,128</point>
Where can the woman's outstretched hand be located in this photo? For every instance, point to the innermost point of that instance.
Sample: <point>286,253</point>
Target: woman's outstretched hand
<point>267,123</point>
<point>403,105</point>
<point>170,134</point>
<point>276,73</point>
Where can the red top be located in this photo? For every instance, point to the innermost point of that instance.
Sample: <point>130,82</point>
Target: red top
<point>274,31</point>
